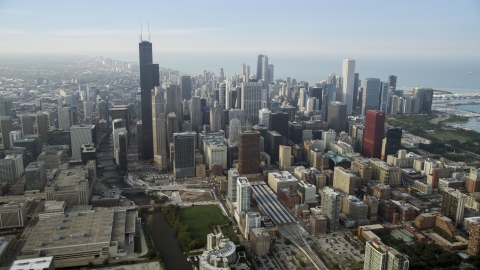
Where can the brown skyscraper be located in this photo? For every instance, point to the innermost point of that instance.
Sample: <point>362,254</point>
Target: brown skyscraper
<point>248,152</point>
<point>373,134</point>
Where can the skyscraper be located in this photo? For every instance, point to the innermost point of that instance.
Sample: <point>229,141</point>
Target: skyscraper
<point>356,84</point>
<point>27,124</point>
<point>184,158</point>
<point>186,87</point>
<point>259,66</point>
<point>384,96</point>
<point>81,134</point>
<point>392,142</point>
<point>348,75</point>
<point>174,103</point>
<point>251,100</point>
<point>234,129</point>
<point>248,152</point>
<point>265,72</point>
<point>373,134</point>
<point>232,187</point>
<point>215,118</point>
<point>159,131</point>
<point>196,113</point>
<point>337,116</point>
<point>42,126</point>
<point>371,94</point>
<point>244,193</point>
<point>425,97</point>
<point>149,78</point>
<point>87,109</point>
<point>392,80</point>
<point>6,128</point>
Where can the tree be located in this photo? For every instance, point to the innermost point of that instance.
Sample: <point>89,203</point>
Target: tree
<point>90,265</point>
<point>105,262</point>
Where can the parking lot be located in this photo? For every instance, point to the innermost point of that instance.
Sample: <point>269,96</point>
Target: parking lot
<point>337,250</point>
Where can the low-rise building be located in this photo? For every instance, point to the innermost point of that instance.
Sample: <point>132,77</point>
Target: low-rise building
<point>77,238</point>
<point>13,214</point>
<point>42,263</point>
<point>219,254</point>
<point>283,179</point>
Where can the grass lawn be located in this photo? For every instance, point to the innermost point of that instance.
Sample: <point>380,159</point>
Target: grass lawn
<point>198,218</point>
<point>448,135</point>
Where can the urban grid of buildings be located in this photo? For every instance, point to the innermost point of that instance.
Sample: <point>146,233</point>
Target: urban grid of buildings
<point>290,159</point>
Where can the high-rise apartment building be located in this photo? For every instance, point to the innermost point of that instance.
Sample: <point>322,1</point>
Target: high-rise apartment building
<point>244,193</point>
<point>184,156</point>
<point>251,100</point>
<point>425,97</point>
<point>232,186</point>
<point>81,134</point>
<point>381,257</point>
<point>345,180</point>
<point>149,78</point>
<point>186,87</point>
<point>373,133</point>
<point>453,205</point>
<point>42,126</point>
<point>348,76</point>
<point>337,116</point>
<point>331,205</point>
<point>370,94</point>
<point>159,131</point>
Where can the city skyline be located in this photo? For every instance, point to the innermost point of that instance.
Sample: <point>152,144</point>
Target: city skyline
<point>411,47</point>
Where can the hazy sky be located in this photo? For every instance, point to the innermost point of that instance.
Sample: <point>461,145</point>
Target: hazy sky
<point>227,33</point>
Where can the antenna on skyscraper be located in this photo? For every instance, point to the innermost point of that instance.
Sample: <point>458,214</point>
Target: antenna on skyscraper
<point>141,30</point>
<point>148,31</point>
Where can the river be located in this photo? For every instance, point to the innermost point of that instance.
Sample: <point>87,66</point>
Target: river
<point>160,230</point>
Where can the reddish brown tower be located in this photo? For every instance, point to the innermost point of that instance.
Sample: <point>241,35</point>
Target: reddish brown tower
<point>373,134</point>
<point>248,152</point>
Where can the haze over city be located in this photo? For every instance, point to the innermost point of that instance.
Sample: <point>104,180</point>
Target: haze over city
<point>424,43</point>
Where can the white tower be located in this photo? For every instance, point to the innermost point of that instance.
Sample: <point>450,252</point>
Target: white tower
<point>348,74</point>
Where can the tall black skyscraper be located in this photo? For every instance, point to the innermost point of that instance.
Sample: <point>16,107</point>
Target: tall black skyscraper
<point>186,87</point>
<point>149,78</point>
<point>259,66</point>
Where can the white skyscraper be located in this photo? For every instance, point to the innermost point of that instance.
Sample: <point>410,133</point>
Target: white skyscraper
<point>234,128</point>
<point>87,109</point>
<point>251,100</point>
<point>348,80</point>
<point>64,119</point>
<point>244,192</point>
<point>263,117</point>
<point>384,96</point>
